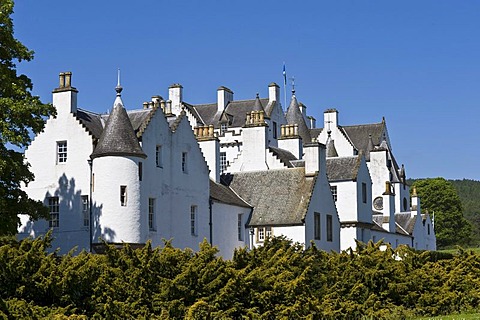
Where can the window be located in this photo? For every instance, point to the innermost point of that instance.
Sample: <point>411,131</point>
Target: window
<point>193,220</point>
<point>329,228</point>
<point>123,196</point>
<point>61,151</point>
<point>240,226</point>
<point>223,128</point>
<point>428,228</point>
<point>404,204</point>
<point>334,192</point>
<point>158,156</point>
<point>316,225</point>
<point>274,130</point>
<point>263,233</point>
<point>364,192</point>
<point>140,171</point>
<point>151,214</point>
<point>184,162</point>
<point>223,161</point>
<point>53,206</point>
<point>85,212</point>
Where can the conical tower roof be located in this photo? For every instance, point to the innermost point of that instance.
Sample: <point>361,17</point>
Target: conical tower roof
<point>295,116</point>
<point>118,137</point>
<point>258,104</point>
<point>331,150</point>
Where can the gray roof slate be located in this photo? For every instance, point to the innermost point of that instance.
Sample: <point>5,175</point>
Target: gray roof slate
<point>279,197</point>
<point>236,111</point>
<point>118,137</point>
<point>343,168</point>
<point>406,221</point>
<point>283,155</point>
<point>224,194</point>
<point>295,116</point>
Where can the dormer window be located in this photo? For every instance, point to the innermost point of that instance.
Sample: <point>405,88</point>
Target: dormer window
<point>223,128</point>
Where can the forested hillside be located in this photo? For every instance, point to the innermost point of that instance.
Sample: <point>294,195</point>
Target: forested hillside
<point>468,191</point>
<point>280,280</point>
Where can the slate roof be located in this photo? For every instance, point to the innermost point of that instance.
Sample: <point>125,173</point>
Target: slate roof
<point>295,116</point>
<point>224,194</point>
<point>406,221</point>
<point>279,197</point>
<point>359,134</point>
<point>236,111</point>
<point>343,168</point>
<point>95,122</point>
<point>118,137</point>
<point>283,155</point>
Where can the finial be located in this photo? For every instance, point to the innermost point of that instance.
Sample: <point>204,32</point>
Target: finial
<point>258,96</point>
<point>118,88</point>
<point>293,85</point>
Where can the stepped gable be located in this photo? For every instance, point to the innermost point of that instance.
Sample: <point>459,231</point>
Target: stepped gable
<point>236,111</point>
<point>118,137</point>
<point>279,197</point>
<point>224,194</point>
<point>343,168</point>
<point>283,155</point>
<point>294,116</point>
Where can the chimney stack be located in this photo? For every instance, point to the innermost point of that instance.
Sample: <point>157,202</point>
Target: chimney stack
<point>65,96</point>
<point>224,96</point>
<point>175,95</point>
<point>273,92</point>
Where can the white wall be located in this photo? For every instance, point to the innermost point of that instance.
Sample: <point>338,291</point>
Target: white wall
<point>69,180</point>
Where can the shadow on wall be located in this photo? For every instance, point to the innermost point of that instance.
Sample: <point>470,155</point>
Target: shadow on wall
<point>70,218</point>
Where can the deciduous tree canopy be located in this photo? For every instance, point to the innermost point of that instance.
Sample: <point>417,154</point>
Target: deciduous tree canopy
<point>439,197</point>
<point>21,115</point>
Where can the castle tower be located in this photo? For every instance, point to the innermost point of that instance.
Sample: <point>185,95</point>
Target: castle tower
<point>117,168</point>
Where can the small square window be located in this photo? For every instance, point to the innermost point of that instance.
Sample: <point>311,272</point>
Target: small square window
<point>61,151</point>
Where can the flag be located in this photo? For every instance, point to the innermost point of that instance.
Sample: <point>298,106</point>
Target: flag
<point>284,75</point>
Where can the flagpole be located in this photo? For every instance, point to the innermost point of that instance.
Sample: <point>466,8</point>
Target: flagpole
<point>284,88</point>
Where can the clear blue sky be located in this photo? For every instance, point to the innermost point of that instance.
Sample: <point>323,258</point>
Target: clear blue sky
<point>415,62</point>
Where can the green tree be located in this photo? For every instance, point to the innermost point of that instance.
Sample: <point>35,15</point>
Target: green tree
<point>439,197</point>
<point>21,115</point>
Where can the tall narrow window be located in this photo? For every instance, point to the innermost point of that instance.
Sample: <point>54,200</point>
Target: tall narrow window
<point>184,162</point>
<point>334,192</point>
<point>85,211</point>
<point>61,151</point>
<point>123,196</point>
<point>223,161</point>
<point>240,227</point>
<point>53,206</point>
<point>193,220</point>
<point>316,225</point>
<point>151,213</point>
<point>274,129</point>
<point>428,228</point>
<point>158,156</point>
<point>140,171</point>
<point>268,232</point>
<point>260,234</point>
<point>364,192</point>
<point>329,228</point>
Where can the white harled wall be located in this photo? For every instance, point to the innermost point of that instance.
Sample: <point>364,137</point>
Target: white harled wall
<point>69,180</point>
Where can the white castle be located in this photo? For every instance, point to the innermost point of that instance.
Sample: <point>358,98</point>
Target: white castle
<point>232,172</point>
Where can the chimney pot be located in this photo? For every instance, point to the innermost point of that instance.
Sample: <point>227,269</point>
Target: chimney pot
<point>62,80</point>
<point>68,79</point>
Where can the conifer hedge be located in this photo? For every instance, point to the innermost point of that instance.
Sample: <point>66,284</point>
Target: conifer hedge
<point>280,280</point>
